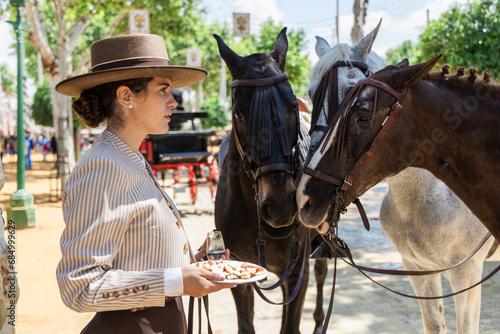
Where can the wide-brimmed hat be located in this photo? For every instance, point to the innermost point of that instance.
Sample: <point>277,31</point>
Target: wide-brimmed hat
<point>129,57</point>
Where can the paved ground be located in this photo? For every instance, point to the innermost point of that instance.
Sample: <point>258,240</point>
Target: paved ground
<point>360,306</point>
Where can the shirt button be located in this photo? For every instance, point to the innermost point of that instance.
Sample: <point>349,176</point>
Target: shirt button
<point>185,248</point>
<point>169,205</point>
<point>126,291</point>
<point>178,224</point>
<point>105,295</point>
<point>135,289</point>
<point>145,287</point>
<point>116,294</point>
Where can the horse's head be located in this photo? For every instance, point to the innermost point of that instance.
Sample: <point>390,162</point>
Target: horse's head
<point>337,71</point>
<point>346,163</point>
<point>265,127</point>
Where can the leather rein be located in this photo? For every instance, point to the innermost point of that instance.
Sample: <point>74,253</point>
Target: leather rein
<point>253,174</point>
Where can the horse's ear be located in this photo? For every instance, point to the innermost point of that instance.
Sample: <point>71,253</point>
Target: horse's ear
<point>229,56</point>
<point>410,75</point>
<point>364,46</point>
<point>280,49</point>
<point>403,63</point>
<point>322,46</point>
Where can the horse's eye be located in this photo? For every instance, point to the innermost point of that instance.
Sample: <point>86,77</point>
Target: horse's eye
<point>237,115</point>
<point>362,119</point>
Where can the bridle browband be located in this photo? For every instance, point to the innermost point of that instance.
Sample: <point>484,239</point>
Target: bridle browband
<point>344,186</point>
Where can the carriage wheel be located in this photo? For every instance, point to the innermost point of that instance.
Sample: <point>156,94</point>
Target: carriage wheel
<point>193,185</point>
<point>214,177</point>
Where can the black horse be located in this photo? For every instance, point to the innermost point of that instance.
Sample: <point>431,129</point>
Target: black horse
<point>255,199</point>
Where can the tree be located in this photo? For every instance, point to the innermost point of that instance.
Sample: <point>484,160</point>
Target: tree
<point>359,10</point>
<point>62,31</point>
<point>42,105</point>
<point>200,36</point>
<point>7,79</point>
<point>468,35</point>
<point>298,64</point>
<point>408,49</point>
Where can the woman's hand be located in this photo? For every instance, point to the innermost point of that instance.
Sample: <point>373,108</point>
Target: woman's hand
<point>197,282</point>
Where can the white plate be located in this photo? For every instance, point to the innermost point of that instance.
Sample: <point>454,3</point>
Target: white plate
<point>237,264</point>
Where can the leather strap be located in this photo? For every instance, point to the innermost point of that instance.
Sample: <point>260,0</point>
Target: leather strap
<point>298,285</point>
<point>191,314</point>
<point>346,252</point>
<point>259,82</point>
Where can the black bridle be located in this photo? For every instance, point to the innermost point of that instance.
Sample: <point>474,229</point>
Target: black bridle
<point>253,174</point>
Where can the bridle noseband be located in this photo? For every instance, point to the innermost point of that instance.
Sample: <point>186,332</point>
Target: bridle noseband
<point>344,185</point>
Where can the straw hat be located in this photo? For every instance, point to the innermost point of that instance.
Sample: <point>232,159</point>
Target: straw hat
<point>129,57</point>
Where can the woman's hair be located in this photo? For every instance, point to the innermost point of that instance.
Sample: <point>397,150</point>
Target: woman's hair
<point>97,104</point>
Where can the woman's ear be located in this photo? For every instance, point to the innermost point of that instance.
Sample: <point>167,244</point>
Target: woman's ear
<point>124,97</point>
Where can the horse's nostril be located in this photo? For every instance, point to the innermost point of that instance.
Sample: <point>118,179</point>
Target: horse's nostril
<point>265,212</point>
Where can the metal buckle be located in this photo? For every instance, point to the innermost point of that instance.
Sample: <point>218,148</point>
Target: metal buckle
<point>345,180</point>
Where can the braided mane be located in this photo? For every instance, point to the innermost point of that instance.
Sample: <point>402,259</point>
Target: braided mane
<point>483,86</point>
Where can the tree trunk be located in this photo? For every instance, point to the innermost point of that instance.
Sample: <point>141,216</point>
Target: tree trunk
<point>9,294</point>
<point>359,11</point>
<point>57,66</point>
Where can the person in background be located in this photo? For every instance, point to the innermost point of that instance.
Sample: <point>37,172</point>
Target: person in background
<point>45,148</point>
<point>125,253</point>
<point>27,151</point>
<point>53,146</point>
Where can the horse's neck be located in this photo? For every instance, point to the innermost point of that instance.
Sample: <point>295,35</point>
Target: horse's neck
<point>409,185</point>
<point>411,178</point>
<point>461,145</point>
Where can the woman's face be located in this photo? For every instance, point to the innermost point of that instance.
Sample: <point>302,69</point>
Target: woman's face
<point>152,109</point>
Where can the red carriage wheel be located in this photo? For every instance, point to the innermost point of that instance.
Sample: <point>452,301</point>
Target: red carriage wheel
<point>214,178</point>
<point>193,184</point>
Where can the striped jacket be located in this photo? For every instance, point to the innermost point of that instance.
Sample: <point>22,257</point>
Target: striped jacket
<point>121,231</point>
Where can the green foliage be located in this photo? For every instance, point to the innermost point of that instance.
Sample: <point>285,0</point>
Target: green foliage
<point>42,105</point>
<point>7,77</point>
<point>298,65</point>
<point>217,115</point>
<point>468,35</point>
<point>408,50</point>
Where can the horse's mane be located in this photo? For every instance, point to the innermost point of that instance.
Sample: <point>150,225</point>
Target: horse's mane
<point>326,62</point>
<point>483,86</point>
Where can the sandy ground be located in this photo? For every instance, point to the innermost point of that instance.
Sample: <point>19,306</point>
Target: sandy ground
<point>360,306</point>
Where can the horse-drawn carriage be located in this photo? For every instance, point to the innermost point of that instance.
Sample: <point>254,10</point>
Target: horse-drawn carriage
<point>188,154</point>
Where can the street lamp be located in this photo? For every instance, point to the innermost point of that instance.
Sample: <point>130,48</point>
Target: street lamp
<point>22,209</point>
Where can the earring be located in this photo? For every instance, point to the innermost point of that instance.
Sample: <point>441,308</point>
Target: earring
<point>130,105</point>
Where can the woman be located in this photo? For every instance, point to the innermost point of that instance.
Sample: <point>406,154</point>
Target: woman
<point>125,254</point>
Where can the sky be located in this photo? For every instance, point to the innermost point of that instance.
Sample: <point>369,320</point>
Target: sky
<point>401,20</point>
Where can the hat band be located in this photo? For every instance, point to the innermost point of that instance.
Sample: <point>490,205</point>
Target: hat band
<point>136,62</point>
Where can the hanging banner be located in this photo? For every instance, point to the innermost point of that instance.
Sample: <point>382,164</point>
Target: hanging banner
<point>193,57</point>
<point>138,21</point>
<point>241,24</point>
